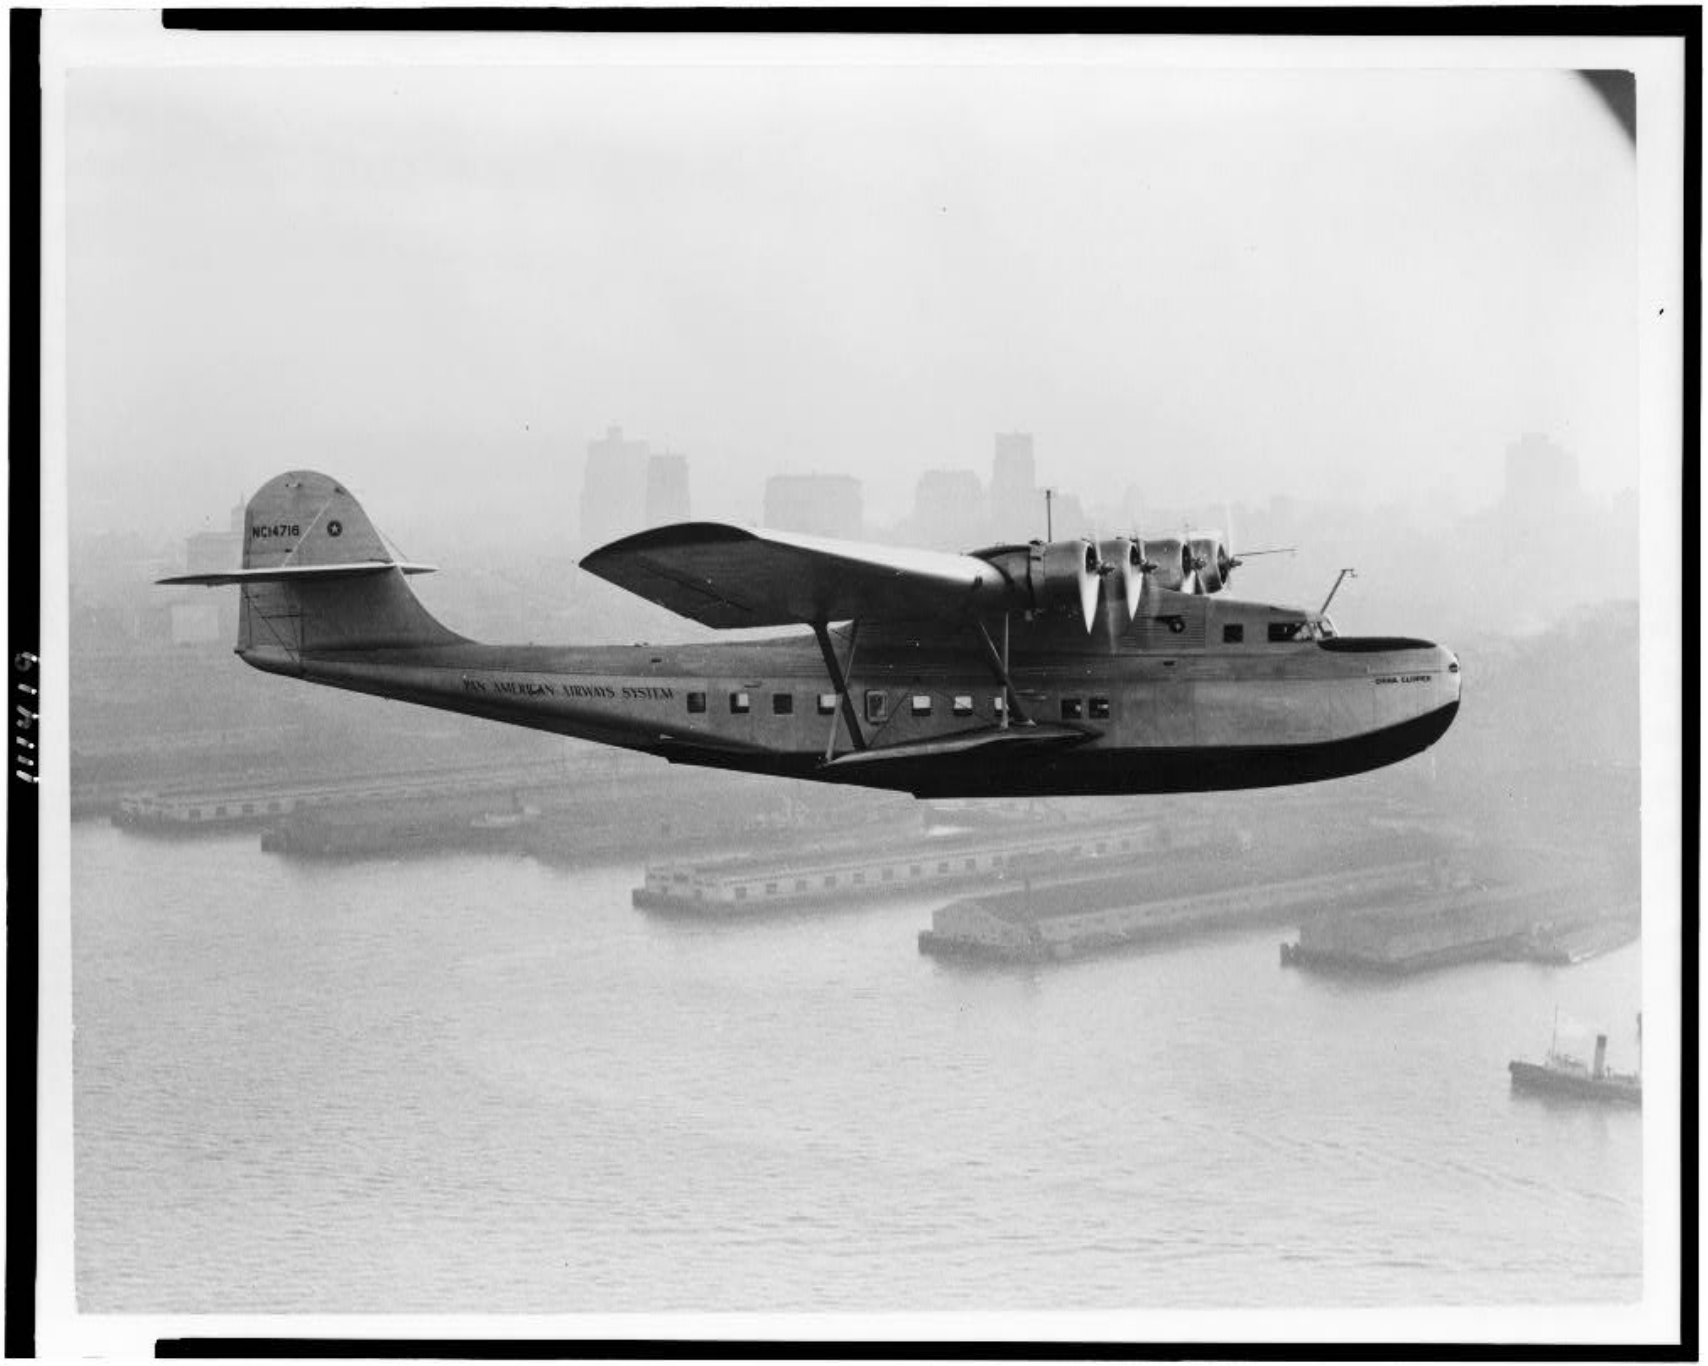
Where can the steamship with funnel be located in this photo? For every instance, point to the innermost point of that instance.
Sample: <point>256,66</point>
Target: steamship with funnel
<point>1561,1074</point>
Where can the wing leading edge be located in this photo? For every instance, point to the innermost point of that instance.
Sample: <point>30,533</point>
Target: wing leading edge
<point>726,576</point>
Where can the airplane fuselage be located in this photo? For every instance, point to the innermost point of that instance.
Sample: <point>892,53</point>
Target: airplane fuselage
<point>1195,694</point>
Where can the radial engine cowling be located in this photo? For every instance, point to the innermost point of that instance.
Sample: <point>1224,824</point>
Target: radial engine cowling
<point>1173,560</point>
<point>1210,564</point>
<point>1048,577</point>
<point>1123,571</point>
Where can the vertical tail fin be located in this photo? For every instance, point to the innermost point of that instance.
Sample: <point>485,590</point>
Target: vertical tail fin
<point>317,576</point>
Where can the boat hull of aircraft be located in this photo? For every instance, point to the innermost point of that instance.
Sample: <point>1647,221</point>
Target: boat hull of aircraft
<point>1193,693</point>
<point>1163,724</point>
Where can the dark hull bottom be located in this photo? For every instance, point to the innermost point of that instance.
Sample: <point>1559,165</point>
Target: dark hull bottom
<point>1106,772</point>
<point>1528,1076</point>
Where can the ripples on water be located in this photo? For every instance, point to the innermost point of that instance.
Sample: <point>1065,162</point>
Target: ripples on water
<point>476,1083</point>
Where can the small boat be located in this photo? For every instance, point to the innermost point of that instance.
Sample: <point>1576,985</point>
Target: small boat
<point>1561,1074</point>
<point>505,820</point>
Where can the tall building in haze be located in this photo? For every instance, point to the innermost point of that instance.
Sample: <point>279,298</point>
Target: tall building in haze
<point>1016,514</point>
<point>666,489</point>
<point>1540,475</point>
<point>206,619</point>
<point>614,488</point>
<point>815,505</point>
<point>948,510</point>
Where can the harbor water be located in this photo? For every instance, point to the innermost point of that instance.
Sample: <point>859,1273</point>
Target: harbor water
<point>478,1082</point>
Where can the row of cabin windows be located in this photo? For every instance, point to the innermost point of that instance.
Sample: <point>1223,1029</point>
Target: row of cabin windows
<point>1280,632</point>
<point>878,705</point>
<point>877,702</point>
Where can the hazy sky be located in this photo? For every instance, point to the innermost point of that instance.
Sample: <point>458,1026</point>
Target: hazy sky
<point>438,283</point>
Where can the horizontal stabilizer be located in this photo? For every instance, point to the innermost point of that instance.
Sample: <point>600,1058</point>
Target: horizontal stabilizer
<point>298,572</point>
<point>1023,737</point>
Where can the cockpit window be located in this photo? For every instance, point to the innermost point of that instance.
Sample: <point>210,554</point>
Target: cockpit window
<point>1282,631</point>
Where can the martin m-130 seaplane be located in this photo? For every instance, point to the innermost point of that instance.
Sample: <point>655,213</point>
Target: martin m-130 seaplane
<point>1050,668</point>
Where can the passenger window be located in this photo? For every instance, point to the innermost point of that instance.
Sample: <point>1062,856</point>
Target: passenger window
<point>877,705</point>
<point>782,704</point>
<point>740,703</point>
<point>1100,709</point>
<point>921,704</point>
<point>1072,708</point>
<point>696,703</point>
<point>826,703</point>
<point>963,705</point>
<point>1233,634</point>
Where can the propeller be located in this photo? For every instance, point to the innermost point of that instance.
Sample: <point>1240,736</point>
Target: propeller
<point>1211,564</point>
<point>1122,563</point>
<point>1089,583</point>
<point>1201,561</point>
<point>1074,563</point>
<point>1235,561</point>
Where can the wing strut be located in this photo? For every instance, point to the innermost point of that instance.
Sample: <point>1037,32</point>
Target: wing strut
<point>999,666</point>
<point>839,681</point>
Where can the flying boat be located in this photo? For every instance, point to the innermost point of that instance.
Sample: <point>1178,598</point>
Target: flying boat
<point>1057,667</point>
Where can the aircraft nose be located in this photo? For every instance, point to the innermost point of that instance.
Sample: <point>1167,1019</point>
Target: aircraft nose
<point>1453,674</point>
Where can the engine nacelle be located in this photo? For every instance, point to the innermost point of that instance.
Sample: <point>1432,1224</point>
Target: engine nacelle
<point>1211,564</point>
<point>1173,562</point>
<point>1051,576</point>
<point>1123,571</point>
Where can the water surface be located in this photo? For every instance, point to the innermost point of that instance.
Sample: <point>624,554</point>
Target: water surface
<point>475,1083</point>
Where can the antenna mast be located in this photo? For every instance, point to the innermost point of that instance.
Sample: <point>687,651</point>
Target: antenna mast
<point>1343,576</point>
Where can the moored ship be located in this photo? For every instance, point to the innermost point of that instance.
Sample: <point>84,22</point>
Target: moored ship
<point>1561,1074</point>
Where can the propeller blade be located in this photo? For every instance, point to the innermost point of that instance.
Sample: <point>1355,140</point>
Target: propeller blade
<point>1089,587</point>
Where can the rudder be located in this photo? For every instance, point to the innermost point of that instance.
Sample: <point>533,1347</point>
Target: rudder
<point>317,576</point>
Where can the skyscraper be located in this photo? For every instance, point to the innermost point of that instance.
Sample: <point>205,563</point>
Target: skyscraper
<point>815,504</point>
<point>1016,511</point>
<point>1540,476</point>
<point>948,510</point>
<point>614,488</point>
<point>666,489</point>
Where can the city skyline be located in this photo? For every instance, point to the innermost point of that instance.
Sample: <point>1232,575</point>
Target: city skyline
<point>1433,568</point>
<point>1241,285</point>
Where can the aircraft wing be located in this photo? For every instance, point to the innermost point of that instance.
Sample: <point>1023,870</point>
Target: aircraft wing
<point>727,576</point>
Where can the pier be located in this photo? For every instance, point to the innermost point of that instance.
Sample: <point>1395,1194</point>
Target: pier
<point>244,804</point>
<point>893,867</point>
<point>1086,915</point>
